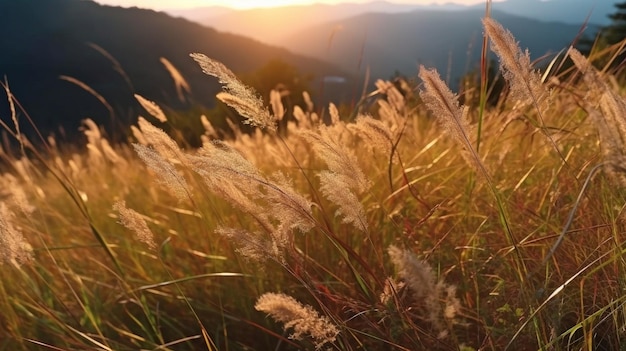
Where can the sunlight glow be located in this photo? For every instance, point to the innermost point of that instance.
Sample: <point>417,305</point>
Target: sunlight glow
<point>249,4</point>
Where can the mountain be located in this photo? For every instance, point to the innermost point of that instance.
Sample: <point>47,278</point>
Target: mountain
<point>566,11</point>
<point>43,40</point>
<point>273,25</point>
<point>387,43</point>
<point>201,14</point>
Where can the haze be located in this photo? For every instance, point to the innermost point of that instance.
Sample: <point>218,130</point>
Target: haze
<point>247,4</point>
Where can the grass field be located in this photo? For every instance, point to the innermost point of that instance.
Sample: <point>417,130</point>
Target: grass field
<point>413,224</point>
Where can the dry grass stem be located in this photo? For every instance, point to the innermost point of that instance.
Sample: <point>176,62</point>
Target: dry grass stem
<point>180,82</point>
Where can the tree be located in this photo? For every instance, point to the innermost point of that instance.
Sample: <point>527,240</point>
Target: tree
<point>609,40</point>
<point>616,31</point>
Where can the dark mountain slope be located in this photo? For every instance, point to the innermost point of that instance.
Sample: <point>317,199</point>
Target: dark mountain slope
<point>448,40</point>
<point>273,25</point>
<point>45,39</point>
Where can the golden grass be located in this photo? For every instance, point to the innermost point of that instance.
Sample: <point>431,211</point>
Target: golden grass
<point>373,233</point>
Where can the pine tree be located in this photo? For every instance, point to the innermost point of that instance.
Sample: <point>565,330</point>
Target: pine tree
<point>616,31</point>
<point>608,36</point>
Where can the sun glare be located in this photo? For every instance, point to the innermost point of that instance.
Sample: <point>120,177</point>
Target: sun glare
<point>248,4</point>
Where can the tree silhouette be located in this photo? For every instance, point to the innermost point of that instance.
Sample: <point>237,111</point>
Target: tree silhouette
<point>609,46</point>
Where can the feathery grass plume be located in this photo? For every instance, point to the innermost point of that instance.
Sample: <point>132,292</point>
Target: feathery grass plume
<point>91,130</point>
<point>301,117</point>
<point>610,120</point>
<point>11,100</point>
<point>161,142</point>
<point>516,66</point>
<point>236,94</point>
<point>291,209</point>
<point>276,101</point>
<point>333,111</point>
<point>394,97</point>
<point>376,131</point>
<point>153,109</point>
<point>13,247</point>
<point>133,221</point>
<point>24,169</point>
<point>391,288</point>
<point>218,163</point>
<point>388,115</point>
<point>438,298</point>
<point>76,169</point>
<point>179,81</point>
<point>452,117</point>
<point>95,156</point>
<point>307,119</point>
<point>417,274</point>
<point>98,147</point>
<point>613,109</point>
<point>525,82</point>
<point>208,127</point>
<point>343,178</point>
<point>14,191</point>
<point>302,318</point>
<point>253,245</point>
<point>110,154</point>
<point>337,189</point>
<point>308,101</point>
<point>167,174</point>
<point>138,135</point>
<point>228,174</point>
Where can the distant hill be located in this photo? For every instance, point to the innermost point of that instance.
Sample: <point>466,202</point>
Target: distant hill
<point>43,40</point>
<point>398,42</point>
<point>391,38</point>
<point>201,14</point>
<point>273,25</point>
<point>565,11</point>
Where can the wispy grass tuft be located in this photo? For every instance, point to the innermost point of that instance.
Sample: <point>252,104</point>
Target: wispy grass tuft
<point>237,95</point>
<point>303,319</point>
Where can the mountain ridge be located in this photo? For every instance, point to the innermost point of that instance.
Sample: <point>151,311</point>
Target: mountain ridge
<point>51,39</point>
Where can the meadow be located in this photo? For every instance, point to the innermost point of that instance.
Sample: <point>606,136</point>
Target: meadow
<point>409,223</point>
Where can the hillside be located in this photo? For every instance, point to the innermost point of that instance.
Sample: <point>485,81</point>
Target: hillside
<point>273,25</point>
<point>398,42</point>
<point>44,40</point>
<point>566,11</point>
<point>394,38</point>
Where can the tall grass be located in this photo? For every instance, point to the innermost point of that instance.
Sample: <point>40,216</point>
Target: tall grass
<point>395,229</point>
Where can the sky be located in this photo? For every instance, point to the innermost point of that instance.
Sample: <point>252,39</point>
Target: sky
<point>244,4</point>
